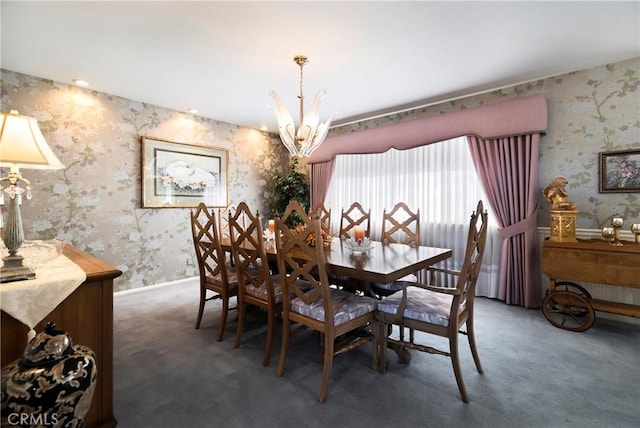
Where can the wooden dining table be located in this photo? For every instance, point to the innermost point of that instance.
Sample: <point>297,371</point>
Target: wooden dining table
<point>382,263</point>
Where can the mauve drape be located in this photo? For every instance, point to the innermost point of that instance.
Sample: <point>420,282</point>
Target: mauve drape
<point>517,116</point>
<point>319,178</point>
<point>508,169</point>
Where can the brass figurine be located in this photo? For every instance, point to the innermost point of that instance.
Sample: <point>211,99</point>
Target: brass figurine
<point>557,195</point>
<point>563,214</point>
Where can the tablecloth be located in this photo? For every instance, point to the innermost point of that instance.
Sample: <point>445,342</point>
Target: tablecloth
<point>30,301</point>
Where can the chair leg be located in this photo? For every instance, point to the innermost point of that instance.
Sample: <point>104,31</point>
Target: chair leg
<point>223,318</point>
<point>242,310</point>
<point>455,360</point>
<point>375,345</point>
<point>328,365</point>
<point>472,344</point>
<point>271,326</point>
<point>284,346</point>
<point>203,298</point>
<point>383,332</point>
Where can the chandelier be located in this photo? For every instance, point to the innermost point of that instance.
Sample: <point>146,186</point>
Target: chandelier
<point>311,132</point>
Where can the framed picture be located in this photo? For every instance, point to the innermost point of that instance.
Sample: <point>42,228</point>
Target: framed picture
<point>620,171</point>
<point>176,175</point>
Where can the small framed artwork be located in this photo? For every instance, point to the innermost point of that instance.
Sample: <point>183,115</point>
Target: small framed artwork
<point>620,171</point>
<point>176,175</point>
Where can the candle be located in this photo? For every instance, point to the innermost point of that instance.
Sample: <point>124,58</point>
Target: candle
<point>272,226</point>
<point>617,221</point>
<point>359,234</point>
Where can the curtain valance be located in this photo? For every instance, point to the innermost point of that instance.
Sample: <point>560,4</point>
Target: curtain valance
<point>518,116</point>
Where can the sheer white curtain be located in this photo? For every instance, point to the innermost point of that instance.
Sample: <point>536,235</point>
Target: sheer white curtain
<point>438,179</point>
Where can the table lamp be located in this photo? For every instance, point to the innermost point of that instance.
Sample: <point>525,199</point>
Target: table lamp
<point>22,146</point>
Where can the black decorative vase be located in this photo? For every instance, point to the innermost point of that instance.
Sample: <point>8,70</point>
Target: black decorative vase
<point>51,385</point>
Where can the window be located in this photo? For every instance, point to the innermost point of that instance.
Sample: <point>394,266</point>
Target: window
<point>438,179</point>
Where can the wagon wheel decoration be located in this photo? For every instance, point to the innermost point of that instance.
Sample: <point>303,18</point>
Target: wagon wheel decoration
<point>568,310</point>
<point>574,288</point>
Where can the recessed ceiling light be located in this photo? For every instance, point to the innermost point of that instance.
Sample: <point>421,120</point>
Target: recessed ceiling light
<point>192,111</point>
<point>81,82</point>
<point>263,128</point>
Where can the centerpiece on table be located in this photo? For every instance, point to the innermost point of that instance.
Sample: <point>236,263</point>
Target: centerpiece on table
<point>359,243</point>
<point>311,239</point>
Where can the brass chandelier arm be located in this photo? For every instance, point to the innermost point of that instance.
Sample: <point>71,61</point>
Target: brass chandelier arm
<point>301,60</point>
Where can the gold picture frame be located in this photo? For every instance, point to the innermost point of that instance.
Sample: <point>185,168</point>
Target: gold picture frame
<point>178,175</point>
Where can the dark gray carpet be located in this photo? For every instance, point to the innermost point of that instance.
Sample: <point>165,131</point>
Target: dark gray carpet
<point>167,374</point>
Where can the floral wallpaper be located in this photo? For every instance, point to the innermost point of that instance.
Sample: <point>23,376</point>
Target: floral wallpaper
<point>94,203</point>
<point>590,111</point>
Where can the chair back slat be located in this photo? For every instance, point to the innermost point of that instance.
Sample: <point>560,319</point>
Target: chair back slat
<point>302,266</point>
<point>209,252</point>
<point>354,216</point>
<point>223,221</point>
<point>250,258</point>
<point>401,225</point>
<point>473,255</point>
<point>324,215</point>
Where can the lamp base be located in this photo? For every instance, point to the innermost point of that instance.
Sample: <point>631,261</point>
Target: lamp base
<point>14,271</point>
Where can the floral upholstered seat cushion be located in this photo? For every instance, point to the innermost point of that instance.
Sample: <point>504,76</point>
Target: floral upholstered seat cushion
<point>422,305</point>
<point>347,306</point>
<point>232,278</point>
<point>262,293</point>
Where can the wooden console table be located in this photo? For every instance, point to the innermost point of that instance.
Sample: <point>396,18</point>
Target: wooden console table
<point>570,306</point>
<point>87,316</point>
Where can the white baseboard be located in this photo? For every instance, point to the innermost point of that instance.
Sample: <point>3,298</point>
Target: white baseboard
<point>625,234</point>
<point>193,279</point>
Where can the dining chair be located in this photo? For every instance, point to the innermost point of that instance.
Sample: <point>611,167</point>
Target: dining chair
<point>441,311</point>
<point>216,274</point>
<point>400,225</point>
<point>310,302</point>
<point>354,216</point>
<point>256,285</point>
<point>324,215</point>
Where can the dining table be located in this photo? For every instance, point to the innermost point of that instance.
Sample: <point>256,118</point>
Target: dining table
<point>380,263</point>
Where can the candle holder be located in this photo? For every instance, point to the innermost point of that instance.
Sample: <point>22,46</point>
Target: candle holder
<point>635,229</point>
<point>359,246</point>
<point>617,223</point>
<point>608,234</point>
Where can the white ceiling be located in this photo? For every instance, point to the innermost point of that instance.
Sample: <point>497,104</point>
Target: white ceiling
<point>222,58</point>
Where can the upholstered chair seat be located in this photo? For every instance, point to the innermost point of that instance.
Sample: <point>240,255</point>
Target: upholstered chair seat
<point>422,305</point>
<point>262,291</point>
<point>347,306</point>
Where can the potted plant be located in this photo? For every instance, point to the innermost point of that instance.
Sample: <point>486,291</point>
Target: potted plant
<point>291,186</point>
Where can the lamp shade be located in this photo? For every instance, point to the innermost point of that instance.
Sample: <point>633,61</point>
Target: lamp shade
<point>22,144</point>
